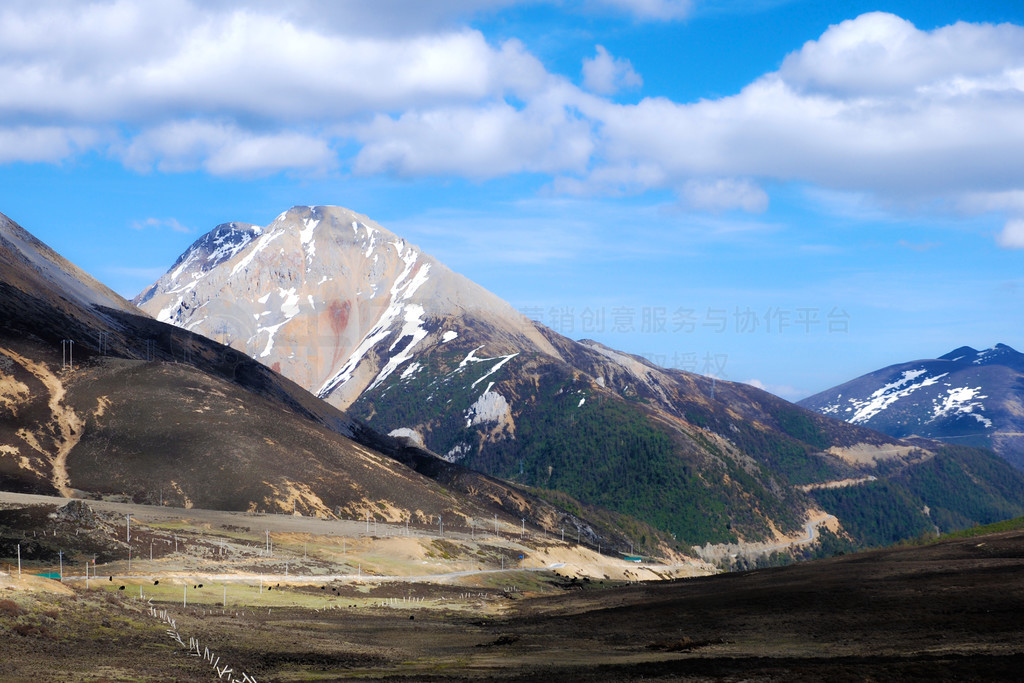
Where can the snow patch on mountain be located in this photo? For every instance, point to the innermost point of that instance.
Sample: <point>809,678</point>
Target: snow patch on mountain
<point>988,355</point>
<point>497,366</point>
<point>471,357</point>
<point>208,252</point>
<point>960,401</point>
<point>166,315</point>
<point>401,292</point>
<point>371,241</point>
<point>410,370</point>
<point>271,330</point>
<point>882,398</point>
<point>306,236</point>
<point>263,243</point>
<point>290,305</point>
<point>413,328</point>
<point>185,264</point>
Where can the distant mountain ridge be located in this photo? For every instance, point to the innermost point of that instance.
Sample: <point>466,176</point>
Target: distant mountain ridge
<point>966,396</point>
<point>373,325</point>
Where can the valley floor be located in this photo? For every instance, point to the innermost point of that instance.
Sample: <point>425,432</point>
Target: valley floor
<point>953,610</point>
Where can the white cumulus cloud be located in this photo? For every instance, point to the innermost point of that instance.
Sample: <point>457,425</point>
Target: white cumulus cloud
<point>224,149</point>
<point>840,115</point>
<point>545,136</point>
<point>607,75</point>
<point>224,89</point>
<point>44,143</point>
<point>873,107</point>
<point>882,54</point>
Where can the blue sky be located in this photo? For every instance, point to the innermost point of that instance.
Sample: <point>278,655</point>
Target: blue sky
<point>789,193</point>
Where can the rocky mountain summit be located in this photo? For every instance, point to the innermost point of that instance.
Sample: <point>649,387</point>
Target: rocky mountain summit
<point>328,298</point>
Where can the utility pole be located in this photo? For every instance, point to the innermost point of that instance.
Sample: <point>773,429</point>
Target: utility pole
<point>128,528</point>
<point>440,526</point>
<point>67,354</point>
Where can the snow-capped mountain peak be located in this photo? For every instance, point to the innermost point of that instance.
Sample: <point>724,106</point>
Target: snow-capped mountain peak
<point>325,296</point>
<point>966,396</point>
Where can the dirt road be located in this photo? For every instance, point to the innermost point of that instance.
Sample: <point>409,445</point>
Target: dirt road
<point>715,553</point>
<point>256,523</point>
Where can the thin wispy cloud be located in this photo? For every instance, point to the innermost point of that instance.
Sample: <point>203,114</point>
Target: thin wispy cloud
<point>160,224</point>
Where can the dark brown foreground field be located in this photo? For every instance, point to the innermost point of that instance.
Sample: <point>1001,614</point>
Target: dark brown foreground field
<point>952,610</point>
